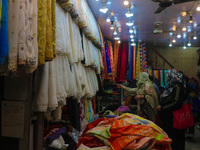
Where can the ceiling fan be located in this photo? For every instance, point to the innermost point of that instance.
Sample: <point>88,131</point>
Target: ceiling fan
<point>158,28</point>
<point>163,4</point>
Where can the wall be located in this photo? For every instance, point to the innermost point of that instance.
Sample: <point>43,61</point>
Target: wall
<point>182,59</point>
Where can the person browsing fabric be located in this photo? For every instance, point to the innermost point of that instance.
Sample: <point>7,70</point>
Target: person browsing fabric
<point>146,96</point>
<point>172,99</point>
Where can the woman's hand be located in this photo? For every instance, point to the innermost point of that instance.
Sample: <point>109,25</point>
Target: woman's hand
<point>139,97</point>
<point>121,86</point>
<point>159,108</point>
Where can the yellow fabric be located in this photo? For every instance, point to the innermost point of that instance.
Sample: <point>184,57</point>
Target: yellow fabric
<point>54,26</point>
<point>138,66</point>
<point>156,74</point>
<point>0,11</point>
<point>150,72</point>
<point>42,11</point>
<point>116,51</point>
<point>49,46</point>
<point>86,110</point>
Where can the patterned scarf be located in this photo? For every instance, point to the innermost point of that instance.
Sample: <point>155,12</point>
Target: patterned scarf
<point>174,77</point>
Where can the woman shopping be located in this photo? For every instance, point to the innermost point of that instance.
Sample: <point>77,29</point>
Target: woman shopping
<point>172,99</point>
<point>146,96</point>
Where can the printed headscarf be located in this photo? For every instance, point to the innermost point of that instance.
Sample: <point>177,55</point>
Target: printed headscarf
<point>142,78</point>
<point>174,77</point>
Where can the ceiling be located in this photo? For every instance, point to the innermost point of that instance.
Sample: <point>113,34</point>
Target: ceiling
<point>144,19</point>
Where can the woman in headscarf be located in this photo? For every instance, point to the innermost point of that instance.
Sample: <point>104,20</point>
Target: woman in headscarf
<point>172,99</point>
<point>145,94</point>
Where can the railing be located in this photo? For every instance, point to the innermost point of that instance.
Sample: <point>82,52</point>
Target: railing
<point>155,64</point>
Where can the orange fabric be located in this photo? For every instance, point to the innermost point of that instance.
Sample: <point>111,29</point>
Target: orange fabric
<point>134,55</point>
<point>127,101</point>
<point>116,51</point>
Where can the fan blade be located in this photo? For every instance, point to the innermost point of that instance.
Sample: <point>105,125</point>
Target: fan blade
<point>160,9</point>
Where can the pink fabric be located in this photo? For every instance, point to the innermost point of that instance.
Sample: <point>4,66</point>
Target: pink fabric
<point>123,108</point>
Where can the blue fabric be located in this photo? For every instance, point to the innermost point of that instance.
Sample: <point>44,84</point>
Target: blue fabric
<point>166,78</point>
<point>130,71</point>
<point>107,60</point>
<point>4,47</point>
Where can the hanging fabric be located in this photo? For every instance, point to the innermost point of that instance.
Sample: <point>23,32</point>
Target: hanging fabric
<point>109,71</point>
<point>4,47</point>
<point>123,63</point>
<point>144,59</point>
<point>141,56</point>
<point>130,69</point>
<point>134,61</point>
<point>138,68</point>
<point>116,51</point>
<point>161,77</point>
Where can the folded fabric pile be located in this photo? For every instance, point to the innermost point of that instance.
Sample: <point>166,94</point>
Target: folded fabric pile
<point>127,131</point>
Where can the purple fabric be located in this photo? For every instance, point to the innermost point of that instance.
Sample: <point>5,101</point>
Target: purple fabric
<point>55,135</point>
<point>123,108</point>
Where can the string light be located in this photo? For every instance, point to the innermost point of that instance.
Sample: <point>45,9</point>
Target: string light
<point>195,36</point>
<point>104,9</point>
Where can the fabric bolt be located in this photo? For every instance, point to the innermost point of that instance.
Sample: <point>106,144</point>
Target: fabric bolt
<point>144,57</point>
<point>53,18</point>
<point>116,51</point>
<point>134,60</point>
<point>107,60</point>
<point>55,135</point>
<point>138,68</point>
<point>4,46</point>
<point>31,40</point>
<point>22,31</point>
<point>111,60</point>
<point>49,47</point>
<point>150,72</point>
<point>141,57</point>
<point>165,73</point>
<point>159,75</point>
<point>119,62</point>
<point>82,114</point>
<point>162,79</point>
<point>123,65</point>
<point>130,70</point>
<point>13,26</point>
<point>42,29</point>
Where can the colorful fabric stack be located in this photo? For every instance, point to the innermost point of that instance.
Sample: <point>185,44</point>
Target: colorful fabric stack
<point>127,131</point>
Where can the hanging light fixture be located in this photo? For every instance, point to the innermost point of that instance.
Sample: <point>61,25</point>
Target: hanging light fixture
<point>132,40</point>
<point>129,14</point>
<point>126,2</point>
<point>112,26</point>
<point>184,46</point>
<point>179,34</point>
<point>174,40</point>
<point>191,18</point>
<point>119,29</point>
<point>115,31</point>
<point>184,28</point>
<point>109,2</point>
<point>195,36</point>
<point>119,41</point>
<point>131,36</point>
<point>108,19</point>
<point>117,38</point>
<point>104,9</point>
<point>131,30</point>
<point>129,23</point>
<point>189,43</point>
<point>198,6</point>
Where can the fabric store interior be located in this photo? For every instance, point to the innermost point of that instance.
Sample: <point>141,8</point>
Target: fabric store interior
<point>99,74</point>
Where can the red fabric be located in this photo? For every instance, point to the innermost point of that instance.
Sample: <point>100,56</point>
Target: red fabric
<point>123,67</point>
<point>48,129</point>
<point>182,118</point>
<point>91,142</point>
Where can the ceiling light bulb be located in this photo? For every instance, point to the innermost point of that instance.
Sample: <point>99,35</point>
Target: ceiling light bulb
<point>184,28</point>
<point>129,23</point>
<point>116,38</point>
<point>119,41</point>
<point>108,19</point>
<point>112,27</point>
<point>115,33</point>
<point>170,44</point>
<point>131,36</point>
<point>191,19</point>
<point>184,47</point>
<point>104,9</point>
<point>174,40</point>
<point>131,30</point>
<point>189,44</point>
<point>132,40</point>
<point>198,6</point>
<point>133,44</point>
<point>129,14</point>
<point>178,35</point>
<point>126,2</point>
